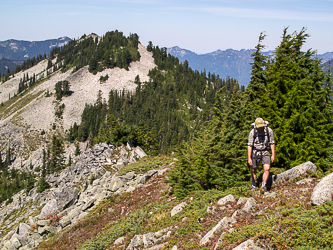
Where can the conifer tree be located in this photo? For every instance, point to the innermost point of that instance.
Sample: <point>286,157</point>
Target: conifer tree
<point>297,104</point>
<point>257,85</point>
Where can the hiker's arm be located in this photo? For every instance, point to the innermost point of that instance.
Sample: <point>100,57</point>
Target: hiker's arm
<point>273,153</point>
<point>249,158</point>
<point>249,147</point>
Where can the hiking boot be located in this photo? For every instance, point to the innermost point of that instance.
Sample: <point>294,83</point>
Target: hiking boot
<point>263,189</point>
<point>252,188</point>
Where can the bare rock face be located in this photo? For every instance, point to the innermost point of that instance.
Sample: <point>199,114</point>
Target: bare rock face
<point>50,208</point>
<point>295,172</point>
<point>323,190</point>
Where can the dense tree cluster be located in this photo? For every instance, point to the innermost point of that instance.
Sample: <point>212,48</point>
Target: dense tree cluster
<point>26,82</point>
<point>112,50</point>
<point>62,89</point>
<point>13,181</point>
<point>291,92</point>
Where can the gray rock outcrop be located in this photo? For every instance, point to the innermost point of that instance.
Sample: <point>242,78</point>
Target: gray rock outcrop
<point>149,239</point>
<point>323,190</point>
<point>63,203</point>
<point>226,199</point>
<point>177,209</point>
<point>294,172</point>
<point>250,203</point>
<point>224,223</point>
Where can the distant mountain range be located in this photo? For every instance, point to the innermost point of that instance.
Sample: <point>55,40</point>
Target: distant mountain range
<point>14,52</point>
<point>232,63</point>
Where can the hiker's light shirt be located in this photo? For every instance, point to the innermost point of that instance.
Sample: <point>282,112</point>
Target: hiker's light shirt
<point>259,145</point>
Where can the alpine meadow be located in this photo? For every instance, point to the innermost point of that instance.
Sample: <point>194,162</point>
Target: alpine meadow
<point>109,144</point>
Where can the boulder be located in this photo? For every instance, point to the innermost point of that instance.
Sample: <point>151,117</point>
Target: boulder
<point>48,229</point>
<point>89,204</point>
<point>23,229</point>
<point>247,245</point>
<point>242,200</point>
<point>140,152</point>
<point>24,239</point>
<point>224,223</point>
<point>149,239</point>
<point>116,184</point>
<point>147,176</point>
<point>305,181</point>
<point>137,240</point>
<point>119,241</point>
<point>294,172</point>
<point>251,202</point>
<point>74,212</point>
<point>177,209</point>
<point>226,199</point>
<point>65,198</point>
<point>323,190</point>
<point>50,208</point>
<point>64,222</point>
<point>12,244</point>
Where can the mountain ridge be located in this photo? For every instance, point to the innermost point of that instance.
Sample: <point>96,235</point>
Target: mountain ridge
<point>21,50</point>
<point>229,62</point>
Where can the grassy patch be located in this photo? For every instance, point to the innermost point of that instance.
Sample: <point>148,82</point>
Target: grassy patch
<point>293,228</point>
<point>147,163</point>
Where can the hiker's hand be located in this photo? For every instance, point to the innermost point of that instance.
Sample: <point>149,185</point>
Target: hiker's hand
<point>272,158</point>
<point>250,162</point>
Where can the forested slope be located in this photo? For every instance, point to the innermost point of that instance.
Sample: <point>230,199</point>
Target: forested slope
<point>161,114</point>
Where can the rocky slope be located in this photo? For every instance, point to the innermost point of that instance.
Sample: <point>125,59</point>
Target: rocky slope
<point>122,208</point>
<point>32,215</point>
<point>24,117</point>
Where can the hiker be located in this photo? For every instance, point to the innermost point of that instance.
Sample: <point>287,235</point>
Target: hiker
<point>261,140</point>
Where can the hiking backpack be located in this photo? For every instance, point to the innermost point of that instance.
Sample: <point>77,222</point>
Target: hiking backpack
<point>255,134</point>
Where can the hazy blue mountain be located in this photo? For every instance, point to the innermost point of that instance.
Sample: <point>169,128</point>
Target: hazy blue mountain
<point>5,64</point>
<point>326,57</point>
<point>328,65</point>
<point>22,50</point>
<point>233,63</point>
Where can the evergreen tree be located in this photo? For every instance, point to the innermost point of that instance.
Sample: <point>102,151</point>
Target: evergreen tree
<point>56,155</point>
<point>77,150</point>
<point>43,185</point>
<point>297,104</point>
<point>8,157</point>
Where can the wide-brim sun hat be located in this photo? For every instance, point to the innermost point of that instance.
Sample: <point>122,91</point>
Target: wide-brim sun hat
<point>259,122</point>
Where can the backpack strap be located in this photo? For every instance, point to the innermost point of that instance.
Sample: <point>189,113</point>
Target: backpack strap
<point>268,139</point>
<point>255,134</point>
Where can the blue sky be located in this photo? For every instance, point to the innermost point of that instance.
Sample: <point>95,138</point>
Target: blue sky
<point>200,26</point>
